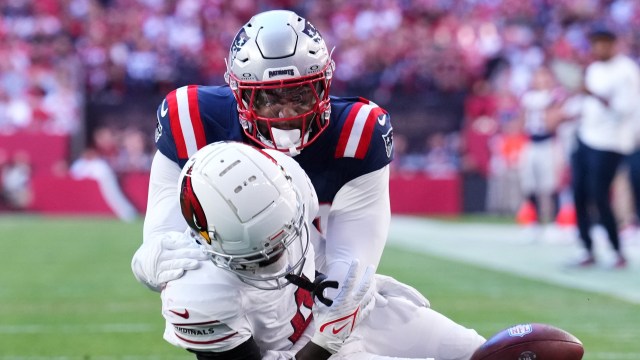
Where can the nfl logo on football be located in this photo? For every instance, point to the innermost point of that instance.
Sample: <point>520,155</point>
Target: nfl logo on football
<point>527,355</point>
<point>520,330</point>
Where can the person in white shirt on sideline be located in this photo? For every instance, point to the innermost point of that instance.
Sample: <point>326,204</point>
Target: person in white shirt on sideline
<point>604,136</point>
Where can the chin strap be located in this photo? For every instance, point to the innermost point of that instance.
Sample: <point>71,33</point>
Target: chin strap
<point>316,288</point>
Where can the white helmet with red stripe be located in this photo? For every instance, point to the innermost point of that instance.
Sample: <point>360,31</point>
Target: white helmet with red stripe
<point>280,71</point>
<point>244,209</point>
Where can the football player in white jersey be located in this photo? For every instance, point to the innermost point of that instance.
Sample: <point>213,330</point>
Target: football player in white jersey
<point>251,212</point>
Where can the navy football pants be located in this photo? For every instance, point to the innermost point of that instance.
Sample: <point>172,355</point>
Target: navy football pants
<point>592,172</point>
<point>634,174</point>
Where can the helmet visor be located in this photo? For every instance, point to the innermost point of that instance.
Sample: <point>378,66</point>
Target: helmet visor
<point>284,102</point>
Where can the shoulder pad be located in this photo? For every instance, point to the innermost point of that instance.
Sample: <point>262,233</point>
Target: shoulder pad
<point>366,125</point>
<point>179,114</point>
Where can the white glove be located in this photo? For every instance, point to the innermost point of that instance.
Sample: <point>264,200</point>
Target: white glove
<point>165,259</point>
<point>334,324</point>
<point>390,287</point>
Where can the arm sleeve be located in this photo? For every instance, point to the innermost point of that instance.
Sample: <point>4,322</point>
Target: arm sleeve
<point>163,205</point>
<point>358,223</point>
<point>163,210</point>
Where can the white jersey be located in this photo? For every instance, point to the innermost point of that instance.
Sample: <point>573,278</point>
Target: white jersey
<point>211,309</point>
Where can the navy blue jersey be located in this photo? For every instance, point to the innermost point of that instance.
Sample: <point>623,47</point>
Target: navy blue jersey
<point>358,140</point>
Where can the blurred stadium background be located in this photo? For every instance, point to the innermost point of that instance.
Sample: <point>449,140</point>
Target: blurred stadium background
<point>80,81</point>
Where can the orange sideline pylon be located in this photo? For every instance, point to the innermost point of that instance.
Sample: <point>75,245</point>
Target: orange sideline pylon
<point>526,215</point>
<point>566,216</point>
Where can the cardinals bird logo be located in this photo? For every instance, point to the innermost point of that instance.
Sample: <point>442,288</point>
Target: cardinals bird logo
<point>191,207</point>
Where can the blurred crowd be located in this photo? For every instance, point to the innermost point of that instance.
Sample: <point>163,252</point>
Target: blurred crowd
<point>57,56</point>
<point>54,50</point>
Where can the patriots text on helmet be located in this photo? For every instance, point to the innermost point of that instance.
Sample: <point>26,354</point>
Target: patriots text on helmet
<point>288,72</point>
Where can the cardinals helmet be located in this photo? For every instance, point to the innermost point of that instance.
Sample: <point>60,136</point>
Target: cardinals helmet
<point>243,208</point>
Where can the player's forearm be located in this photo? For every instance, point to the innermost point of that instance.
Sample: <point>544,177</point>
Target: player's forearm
<point>167,250</point>
<point>308,351</point>
<point>163,206</point>
<point>312,351</point>
<point>358,222</point>
<point>162,216</point>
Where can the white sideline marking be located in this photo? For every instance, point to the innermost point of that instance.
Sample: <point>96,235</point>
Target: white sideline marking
<point>119,357</point>
<point>76,329</point>
<point>501,247</point>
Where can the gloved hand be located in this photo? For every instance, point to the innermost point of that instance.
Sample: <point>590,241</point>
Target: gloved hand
<point>390,287</point>
<point>334,324</point>
<point>165,259</point>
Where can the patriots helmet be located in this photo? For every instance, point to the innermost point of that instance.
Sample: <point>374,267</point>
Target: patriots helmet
<point>280,71</point>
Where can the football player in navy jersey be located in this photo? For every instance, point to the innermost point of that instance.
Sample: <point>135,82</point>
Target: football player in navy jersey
<point>279,74</point>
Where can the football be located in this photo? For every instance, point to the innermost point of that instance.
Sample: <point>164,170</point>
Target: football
<point>531,342</point>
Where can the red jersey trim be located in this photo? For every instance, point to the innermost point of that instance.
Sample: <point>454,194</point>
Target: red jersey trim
<point>194,112</point>
<point>176,128</point>
<point>367,132</point>
<point>357,132</point>
<point>346,130</point>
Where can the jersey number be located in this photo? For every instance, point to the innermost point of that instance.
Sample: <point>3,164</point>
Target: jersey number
<point>299,322</point>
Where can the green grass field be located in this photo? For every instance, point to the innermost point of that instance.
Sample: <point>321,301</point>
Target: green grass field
<point>67,292</point>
